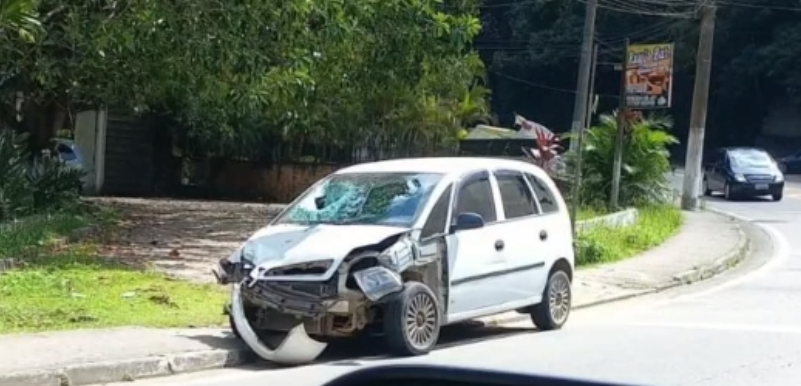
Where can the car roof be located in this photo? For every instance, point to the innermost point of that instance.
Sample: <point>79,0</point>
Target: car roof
<point>443,165</point>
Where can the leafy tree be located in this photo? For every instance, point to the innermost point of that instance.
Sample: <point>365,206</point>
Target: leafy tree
<point>19,16</point>
<point>239,73</point>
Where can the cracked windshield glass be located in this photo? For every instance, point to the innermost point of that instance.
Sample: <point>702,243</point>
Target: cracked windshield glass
<point>364,198</point>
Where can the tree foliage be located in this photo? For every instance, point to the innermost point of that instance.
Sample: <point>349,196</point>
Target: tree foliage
<point>236,73</point>
<point>646,162</point>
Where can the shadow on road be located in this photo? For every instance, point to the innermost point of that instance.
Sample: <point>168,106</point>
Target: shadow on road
<point>719,198</point>
<point>352,352</point>
<point>358,350</point>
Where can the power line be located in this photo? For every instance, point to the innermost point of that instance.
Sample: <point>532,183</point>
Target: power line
<point>545,87</point>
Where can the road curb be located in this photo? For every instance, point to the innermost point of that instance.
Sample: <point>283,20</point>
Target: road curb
<point>130,369</point>
<point>708,271</point>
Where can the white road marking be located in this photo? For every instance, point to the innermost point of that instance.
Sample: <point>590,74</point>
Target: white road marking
<point>781,252</point>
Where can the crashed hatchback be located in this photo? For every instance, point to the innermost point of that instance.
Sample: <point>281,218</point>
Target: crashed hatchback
<point>401,248</point>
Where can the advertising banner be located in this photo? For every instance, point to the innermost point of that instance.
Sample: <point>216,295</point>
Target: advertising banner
<point>649,76</point>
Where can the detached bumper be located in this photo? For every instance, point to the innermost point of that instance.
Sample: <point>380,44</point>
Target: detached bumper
<point>297,347</point>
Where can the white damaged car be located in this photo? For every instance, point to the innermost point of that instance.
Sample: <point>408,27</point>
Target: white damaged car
<point>402,248</point>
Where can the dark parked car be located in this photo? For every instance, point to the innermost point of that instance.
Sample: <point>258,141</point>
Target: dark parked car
<point>791,164</point>
<point>743,172</point>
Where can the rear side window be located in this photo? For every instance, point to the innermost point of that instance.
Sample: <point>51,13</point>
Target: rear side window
<point>517,199</point>
<point>544,195</point>
<point>438,218</point>
<point>66,153</point>
<point>476,197</point>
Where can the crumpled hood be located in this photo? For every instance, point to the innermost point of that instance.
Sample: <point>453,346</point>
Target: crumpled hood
<point>291,244</point>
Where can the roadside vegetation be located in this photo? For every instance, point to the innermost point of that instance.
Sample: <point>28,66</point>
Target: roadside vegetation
<point>51,275</point>
<point>604,244</point>
<point>646,162</point>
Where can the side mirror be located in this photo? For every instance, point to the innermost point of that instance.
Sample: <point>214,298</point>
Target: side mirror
<point>319,202</point>
<point>467,221</point>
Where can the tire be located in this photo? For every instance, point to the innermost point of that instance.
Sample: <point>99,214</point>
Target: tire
<point>727,194</point>
<point>420,337</point>
<point>783,167</point>
<point>554,309</point>
<point>777,197</point>
<point>707,191</point>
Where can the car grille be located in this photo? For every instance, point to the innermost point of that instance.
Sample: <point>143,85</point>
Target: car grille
<point>759,178</point>
<point>297,298</point>
<point>311,268</point>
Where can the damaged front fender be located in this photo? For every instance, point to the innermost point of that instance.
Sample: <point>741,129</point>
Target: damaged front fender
<point>297,347</point>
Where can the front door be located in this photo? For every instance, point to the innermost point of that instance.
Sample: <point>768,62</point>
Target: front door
<point>476,256</point>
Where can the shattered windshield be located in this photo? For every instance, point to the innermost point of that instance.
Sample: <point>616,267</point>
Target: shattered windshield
<point>364,198</point>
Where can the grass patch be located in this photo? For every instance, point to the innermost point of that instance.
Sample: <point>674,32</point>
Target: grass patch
<point>609,244</point>
<point>58,285</point>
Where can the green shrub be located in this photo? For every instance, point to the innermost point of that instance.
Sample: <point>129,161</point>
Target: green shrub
<point>30,185</point>
<point>646,162</point>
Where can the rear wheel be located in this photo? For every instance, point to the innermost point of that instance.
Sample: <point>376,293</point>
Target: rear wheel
<point>705,184</point>
<point>412,321</point>
<point>783,167</point>
<point>554,309</point>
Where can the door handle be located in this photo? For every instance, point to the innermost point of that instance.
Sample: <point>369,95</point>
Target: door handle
<point>543,235</point>
<point>499,245</point>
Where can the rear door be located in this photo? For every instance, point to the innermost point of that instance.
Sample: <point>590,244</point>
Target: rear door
<point>552,235</point>
<point>521,224</point>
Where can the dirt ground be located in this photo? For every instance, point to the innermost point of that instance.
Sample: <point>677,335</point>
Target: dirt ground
<point>182,238</point>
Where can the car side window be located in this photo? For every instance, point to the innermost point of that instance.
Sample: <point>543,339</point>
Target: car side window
<point>475,196</point>
<point>517,199</point>
<point>66,153</point>
<point>544,195</point>
<point>438,218</point>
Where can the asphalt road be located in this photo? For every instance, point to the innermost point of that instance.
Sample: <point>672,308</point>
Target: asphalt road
<point>743,328</point>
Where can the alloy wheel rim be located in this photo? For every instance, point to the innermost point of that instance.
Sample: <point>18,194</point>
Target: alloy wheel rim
<point>559,299</point>
<point>421,321</point>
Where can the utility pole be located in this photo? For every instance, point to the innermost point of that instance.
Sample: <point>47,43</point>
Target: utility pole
<point>575,193</point>
<point>617,164</point>
<point>695,138</point>
<point>585,68</point>
<point>591,94</point>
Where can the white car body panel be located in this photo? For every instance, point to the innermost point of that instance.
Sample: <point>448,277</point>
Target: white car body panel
<point>287,244</point>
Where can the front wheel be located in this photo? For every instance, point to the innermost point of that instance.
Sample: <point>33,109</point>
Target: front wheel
<point>777,196</point>
<point>727,194</point>
<point>412,321</point>
<point>707,191</point>
<point>554,309</point>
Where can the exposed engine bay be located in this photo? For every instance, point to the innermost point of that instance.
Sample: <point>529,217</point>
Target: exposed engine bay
<point>310,301</point>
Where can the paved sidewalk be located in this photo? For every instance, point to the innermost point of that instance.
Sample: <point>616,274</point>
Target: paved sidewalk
<point>707,244</point>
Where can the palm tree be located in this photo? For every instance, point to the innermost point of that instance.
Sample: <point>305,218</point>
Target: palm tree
<point>646,160</point>
<point>19,16</point>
